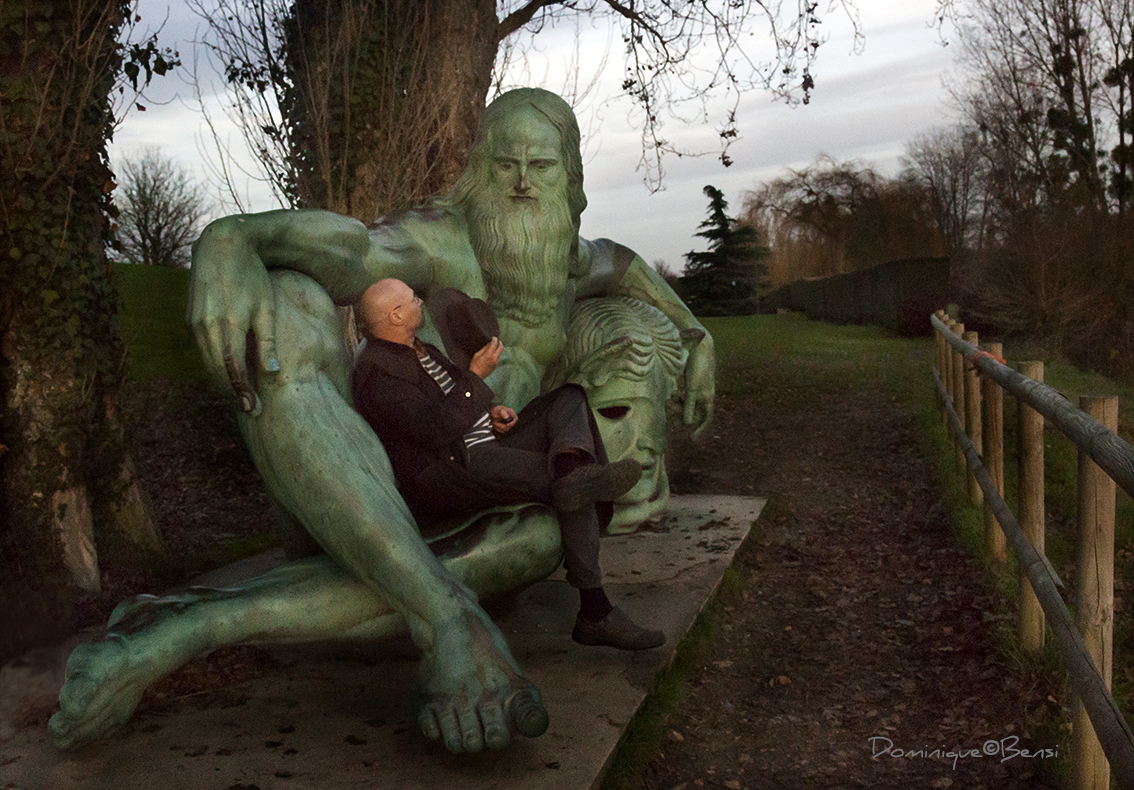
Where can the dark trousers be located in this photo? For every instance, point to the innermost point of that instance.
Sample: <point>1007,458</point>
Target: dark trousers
<point>523,459</point>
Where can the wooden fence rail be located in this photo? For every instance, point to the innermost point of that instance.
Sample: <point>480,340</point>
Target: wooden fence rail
<point>1113,456</point>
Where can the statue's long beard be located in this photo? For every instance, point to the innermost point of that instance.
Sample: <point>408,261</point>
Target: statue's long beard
<point>524,251</point>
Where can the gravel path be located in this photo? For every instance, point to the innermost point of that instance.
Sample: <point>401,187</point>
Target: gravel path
<point>863,631</point>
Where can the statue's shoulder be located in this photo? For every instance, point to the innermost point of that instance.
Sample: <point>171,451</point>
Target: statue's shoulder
<point>435,222</point>
<point>426,246</point>
<point>603,259</point>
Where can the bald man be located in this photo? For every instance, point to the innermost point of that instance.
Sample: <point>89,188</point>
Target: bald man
<point>455,453</point>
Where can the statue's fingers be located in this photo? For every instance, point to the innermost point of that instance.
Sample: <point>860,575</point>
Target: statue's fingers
<point>264,325</point>
<point>211,339</point>
<point>706,418</point>
<point>238,379</point>
<point>690,414</point>
<point>496,735</point>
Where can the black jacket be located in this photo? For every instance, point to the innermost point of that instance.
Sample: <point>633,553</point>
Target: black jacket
<point>423,431</point>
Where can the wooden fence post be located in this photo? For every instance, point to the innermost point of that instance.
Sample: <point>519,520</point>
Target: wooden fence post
<point>937,346</point>
<point>1095,580</point>
<point>973,418</point>
<point>958,393</point>
<point>992,433</point>
<point>947,371</point>
<point>939,358</point>
<point>1029,435</point>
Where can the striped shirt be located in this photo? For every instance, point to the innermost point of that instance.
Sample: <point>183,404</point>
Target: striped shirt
<point>482,431</point>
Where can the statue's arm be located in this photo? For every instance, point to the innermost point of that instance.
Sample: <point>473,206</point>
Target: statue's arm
<point>615,270</point>
<point>230,295</point>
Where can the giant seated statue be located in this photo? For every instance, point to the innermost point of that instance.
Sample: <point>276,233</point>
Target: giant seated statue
<point>262,303</point>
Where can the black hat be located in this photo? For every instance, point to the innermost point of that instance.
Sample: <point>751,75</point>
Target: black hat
<point>465,324</point>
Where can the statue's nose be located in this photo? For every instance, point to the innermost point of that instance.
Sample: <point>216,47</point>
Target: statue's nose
<point>522,183</point>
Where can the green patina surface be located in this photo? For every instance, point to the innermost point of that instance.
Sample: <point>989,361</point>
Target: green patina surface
<point>261,306</point>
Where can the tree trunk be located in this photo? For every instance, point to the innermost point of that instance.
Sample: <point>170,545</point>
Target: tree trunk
<point>64,475</point>
<point>388,97</point>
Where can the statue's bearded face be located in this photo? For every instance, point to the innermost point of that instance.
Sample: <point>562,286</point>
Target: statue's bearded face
<point>519,221</point>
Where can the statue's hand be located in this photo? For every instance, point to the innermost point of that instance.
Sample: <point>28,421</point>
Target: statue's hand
<point>700,386</point>
<point>230,295</point>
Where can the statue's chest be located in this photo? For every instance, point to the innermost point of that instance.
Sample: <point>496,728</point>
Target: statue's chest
<point>543,342</point>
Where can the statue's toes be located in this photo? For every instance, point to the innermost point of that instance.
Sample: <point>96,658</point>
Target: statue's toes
<point>495,725</point>
<point>438,721</point>
<point>526,712</point>
<point>472,735</point>
<point>95,699</point>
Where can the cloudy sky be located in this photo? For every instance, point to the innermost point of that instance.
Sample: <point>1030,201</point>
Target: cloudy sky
<point>865,106</point>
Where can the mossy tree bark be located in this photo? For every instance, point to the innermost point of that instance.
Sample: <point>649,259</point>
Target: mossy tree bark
<point>66,481</point>
<point>385,100</point>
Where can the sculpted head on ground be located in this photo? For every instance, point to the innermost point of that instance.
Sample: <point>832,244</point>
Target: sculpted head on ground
<point>522,196</point>
<point>628,356</point>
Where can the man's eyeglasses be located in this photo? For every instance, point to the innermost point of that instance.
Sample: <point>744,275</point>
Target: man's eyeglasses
<point>416,300</point>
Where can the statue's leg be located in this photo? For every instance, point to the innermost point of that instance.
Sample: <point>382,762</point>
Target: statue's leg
<point>324,465</point>
<point>303,601</point>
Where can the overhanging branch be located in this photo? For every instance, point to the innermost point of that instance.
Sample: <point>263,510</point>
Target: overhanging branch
<point>520,17</point>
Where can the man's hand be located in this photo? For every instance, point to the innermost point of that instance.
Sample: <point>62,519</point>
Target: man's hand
<point>486,360</point>
<point>503,418</point>
<point>231,295</point>
<point>700,386</point>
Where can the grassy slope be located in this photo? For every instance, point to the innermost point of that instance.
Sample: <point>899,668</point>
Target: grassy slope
<point>152,319</point>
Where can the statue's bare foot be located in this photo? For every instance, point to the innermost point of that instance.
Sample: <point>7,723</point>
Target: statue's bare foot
<point>472,692</point>
<point>105,679</point>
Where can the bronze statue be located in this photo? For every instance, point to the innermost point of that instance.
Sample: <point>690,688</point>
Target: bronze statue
<point>507,233</point>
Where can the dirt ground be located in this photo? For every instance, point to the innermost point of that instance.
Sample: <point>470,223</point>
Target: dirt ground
<point>863,631</point>
<point>860,622</point>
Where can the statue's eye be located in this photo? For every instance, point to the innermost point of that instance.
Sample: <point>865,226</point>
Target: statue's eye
<point>614,412</point>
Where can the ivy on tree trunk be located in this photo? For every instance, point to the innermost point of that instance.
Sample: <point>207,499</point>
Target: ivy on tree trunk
<point>65,479</point>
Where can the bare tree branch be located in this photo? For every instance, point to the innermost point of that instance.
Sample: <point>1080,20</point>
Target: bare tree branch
<point>522,16</point>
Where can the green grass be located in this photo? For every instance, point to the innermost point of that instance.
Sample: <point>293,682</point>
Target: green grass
<point>835,358</point>
<point>151,317</point>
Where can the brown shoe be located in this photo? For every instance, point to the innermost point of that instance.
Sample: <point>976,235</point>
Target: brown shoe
<point>616,630</point>
<point>595,483</point>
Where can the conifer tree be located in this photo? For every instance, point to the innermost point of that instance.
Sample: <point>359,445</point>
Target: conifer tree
<point>725,279</point>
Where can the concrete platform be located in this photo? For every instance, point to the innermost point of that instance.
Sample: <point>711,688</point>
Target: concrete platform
<point>333,717</point>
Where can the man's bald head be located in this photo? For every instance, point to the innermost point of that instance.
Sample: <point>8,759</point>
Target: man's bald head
<point>389,310</point>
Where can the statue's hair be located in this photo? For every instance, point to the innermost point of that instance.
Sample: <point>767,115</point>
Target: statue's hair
<point>654,341</point>
<point>559,114</point>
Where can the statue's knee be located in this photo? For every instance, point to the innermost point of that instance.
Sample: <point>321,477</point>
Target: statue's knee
<point>572,394</point>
